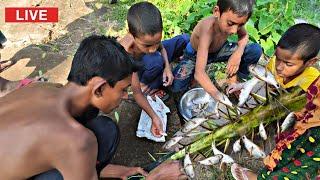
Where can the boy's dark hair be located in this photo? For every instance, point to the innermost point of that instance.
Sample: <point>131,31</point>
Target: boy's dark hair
<point>304,38</point>
<point>101,56</point>
<point>239,7</point>
<point>144,18</point>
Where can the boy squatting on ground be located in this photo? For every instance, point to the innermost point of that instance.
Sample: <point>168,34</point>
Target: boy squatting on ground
<point>297,151</point>
<point>147,42</point>
<point>208,44</point>
<point>44,127</point>
<point>143,41</point>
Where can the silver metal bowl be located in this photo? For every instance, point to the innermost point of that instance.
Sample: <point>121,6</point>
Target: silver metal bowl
<point>187,102</point>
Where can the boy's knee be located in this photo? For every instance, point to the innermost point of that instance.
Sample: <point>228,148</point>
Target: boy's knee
<point>179,85</point>
<point>152,60</point>
<point>53,174</point>
<point>255,51</point>
<point>186,37</point>
<point>104,126</point>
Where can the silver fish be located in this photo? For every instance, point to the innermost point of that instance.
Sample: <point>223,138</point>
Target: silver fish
<point>253,149</point>
<point>216,111</point>
<point>188,166</point>
<point>169,144</point>
<point>262,132</point>
<point>225,100</point>
<point>245,91</point>
<point>211,160</point>
<point>288,121</point>
<point>225,158</point>
<point>236,146</point>
<point>192,124</point>
<point>263,74</point>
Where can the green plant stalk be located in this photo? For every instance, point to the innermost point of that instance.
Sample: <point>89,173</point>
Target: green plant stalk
<point>248,122</point>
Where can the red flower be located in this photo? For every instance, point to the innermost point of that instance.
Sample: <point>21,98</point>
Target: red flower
<point>309,96</point>
<point>275,178</point>
<point>310,153</point>
<point>297,162</point>
<point>310,106</point>
<point>285,169</point>
<point>313,90</point>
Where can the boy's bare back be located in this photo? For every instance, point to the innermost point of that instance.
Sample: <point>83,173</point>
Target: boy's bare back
<point>37,133</point>
<point>208,32</point>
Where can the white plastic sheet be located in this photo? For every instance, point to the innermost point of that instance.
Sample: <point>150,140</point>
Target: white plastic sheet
<point>144,126</point>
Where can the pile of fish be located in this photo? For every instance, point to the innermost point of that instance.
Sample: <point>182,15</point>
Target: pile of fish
<point>201,114</point>
<point>222,158</point>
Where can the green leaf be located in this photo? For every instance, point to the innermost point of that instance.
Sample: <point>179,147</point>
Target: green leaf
<point>275,37</point>
<point>263,2</point>
<point>233,38</point>
<point>205,12</point>
<point>116,115</point>
<point>268,46</point>
<point>265,24</point>
<point>253,32</point>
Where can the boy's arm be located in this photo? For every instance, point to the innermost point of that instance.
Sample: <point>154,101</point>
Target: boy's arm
<point>167,73</point>
<point>142,101</point>
<point>200,70</point>
<point>235,58</point>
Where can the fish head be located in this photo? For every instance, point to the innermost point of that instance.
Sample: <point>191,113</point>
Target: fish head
<point>244,138</point>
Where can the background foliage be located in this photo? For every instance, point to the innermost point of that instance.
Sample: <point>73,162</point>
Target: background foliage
<point>269,20</point>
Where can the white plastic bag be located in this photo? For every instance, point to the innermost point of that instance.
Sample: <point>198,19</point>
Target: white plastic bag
<point>144,126</point>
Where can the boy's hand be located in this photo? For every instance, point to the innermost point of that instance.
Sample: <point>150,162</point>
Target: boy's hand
<point>169,170</point>
<point>156,127</point>
<point>233,65</point>
<point>222,98</point>
<point>234,87</point>
<point>167,77</point>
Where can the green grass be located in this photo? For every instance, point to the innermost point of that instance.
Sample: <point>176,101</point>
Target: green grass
<point>308,10</point>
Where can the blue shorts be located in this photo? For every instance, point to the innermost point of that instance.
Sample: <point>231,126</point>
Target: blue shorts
<point>184,72</point>
<point>151,74</point>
